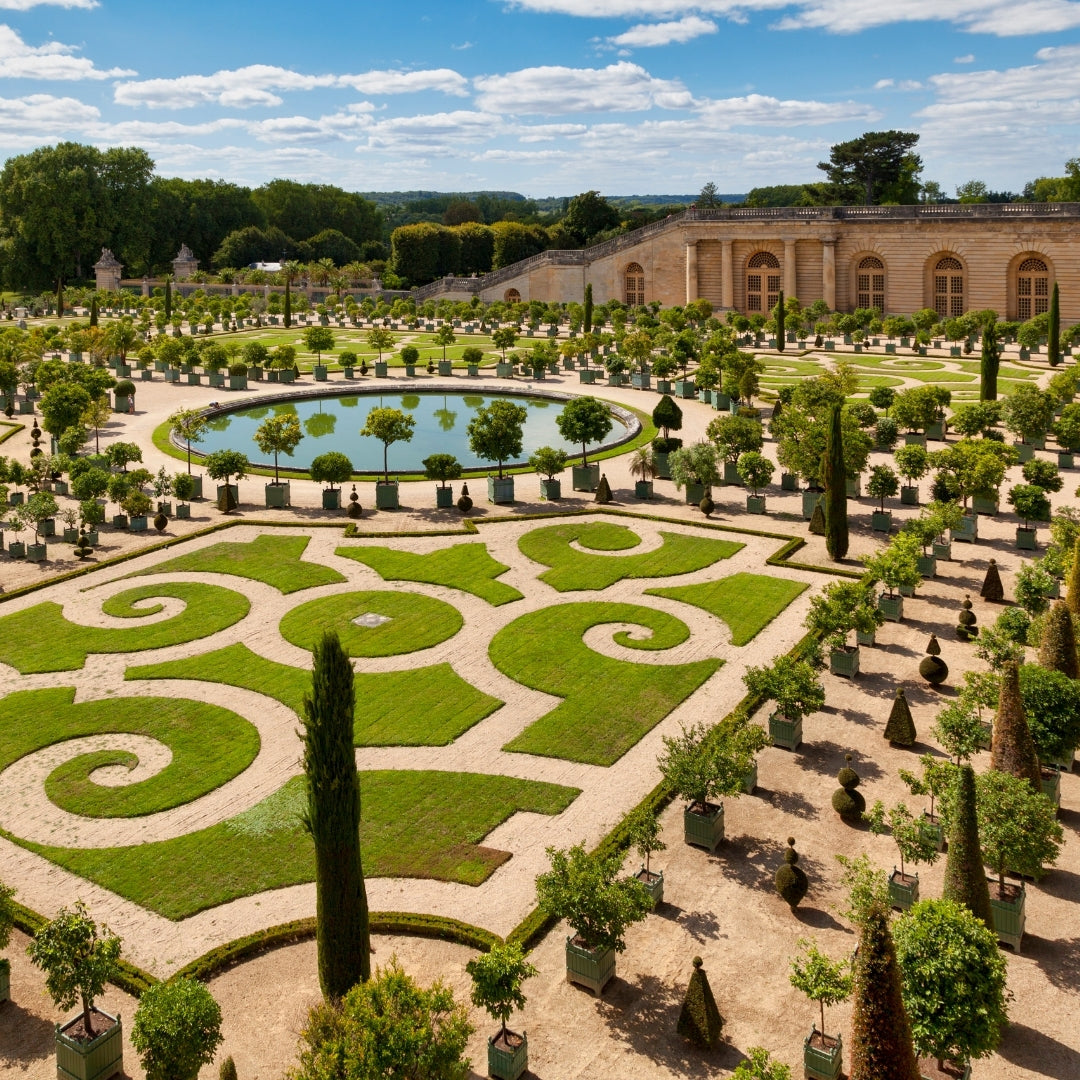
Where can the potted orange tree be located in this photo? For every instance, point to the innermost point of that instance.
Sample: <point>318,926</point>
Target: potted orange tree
<point>828,983</point>
<point>793,685</point>
<point>914,841</point>
<point>643,832</point>
<point>497,976</point>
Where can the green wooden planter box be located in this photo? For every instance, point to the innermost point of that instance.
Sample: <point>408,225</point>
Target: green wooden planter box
<point>321,372</point>
<point>1025,539</point>
<point>17,549</point>
<point>789,482</point>
<point>823,1062</point>
<point>721,401</point>
<point>881,521</point>
<point>1025,451</point>
<point>71,536</point>
<point>1008,915</point>
<point>909,495</point>
<point>500,490</point>
<point>1051,785</point>
<point>643,489</point>
<point>933,827</point>
<point>255,373</point>
<point>470,370</point>
<point>942,551</point>
<point>238,382</point>
<point>386,495</point>
<point>146,375</point>
<point>47,527</point>
<point>380,369</point>
<point>98,1059</point>
<point>660,461</point>
<point>120,521</point>
<point>980,505</point>
<point>588,376</point>
<point>504,1064</point>
<point>936,430</point>
<point>331,498</point>
<point>684,388</point>
<point>193,378</point>
<point>927,565</point>
<point>892,607</point>
<point>663,386</point>
<point>590,968</point>
<point>967,530</point>
<point>446,367</point>
<point>585,477</point>
<point>731,474</point>
<point>914,438</point>
<point>444,497</point>
<point>183,511</point>
<point>613,379</point>
<point>750,779</point>
<point>121,403</point>
<point>138,523</point>
<point>640,380</point>
<point>755,504</point>
<point>277,495</point>
<point>844,661</point>
<point>1065,460</point>
<point>216,379</point>
<point>704,830</point>
<point>903,892</point>
<point>810,498</point>
<point>853,488</point>
<point>654,884</point>
<point>865,639</point>
<point>36,552</point>
<point>348,371</point>
<point>287,375</point>
<point>694,494</point>
<point>784,732</point>
<point>550,489</point>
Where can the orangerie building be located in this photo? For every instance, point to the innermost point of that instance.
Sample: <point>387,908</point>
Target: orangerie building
<point>951,257</point>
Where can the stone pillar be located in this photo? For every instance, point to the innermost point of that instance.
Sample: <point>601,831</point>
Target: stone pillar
<point>727,276</point>
<point>828,271</point>
<point>791,287</point>
<point>691,271</point>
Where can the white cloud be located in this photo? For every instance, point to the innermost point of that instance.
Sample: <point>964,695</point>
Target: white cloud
<point>758,110</point>
<point>45,114</point>
<point>52,61</point>
<point>26,5</point>
<point>444,80</point>
<point>969,58</point>
<point>903,84</point>
<point>621,87</point>
<point>647,35</point>
<point>239,88</point>
<point>434,133</point>
<point>884,84</point>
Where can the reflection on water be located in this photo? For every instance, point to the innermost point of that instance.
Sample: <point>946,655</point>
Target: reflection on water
<point>334,423</point>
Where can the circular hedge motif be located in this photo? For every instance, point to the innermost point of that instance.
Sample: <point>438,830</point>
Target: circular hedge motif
<point>389,623</point>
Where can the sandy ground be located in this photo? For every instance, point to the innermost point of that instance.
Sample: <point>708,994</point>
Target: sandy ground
<point>721,907</point>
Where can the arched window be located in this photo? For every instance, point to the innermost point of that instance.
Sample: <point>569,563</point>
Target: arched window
<point>1032,288</point>
<point>949,288</point>
<point>635,285</point>
<point>762,289</point>
<point>870,283</point>
<point>512,296</point>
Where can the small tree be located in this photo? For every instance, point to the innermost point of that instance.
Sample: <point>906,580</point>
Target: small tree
<point>224,464</point>
<point>643,464</point>
<point>822,980</point>
<point>1057,646</point>
<point>896,565</point>
<point>584,420</point>
<point>793,685</point>
<point>1030,503</point>
<point>1018,829</point>
<point>958,727</point>
<point>7,916</point>
<point>840,608</point>
<point>497,977</point>
<point>547,461</point>
<point>442,467</point>
<point>704,763</point>
<point>378,339</point>
<point>696,464</point>
<point>914,843</point>
<point>1028,413</point>
<point>177,1029</point>
<point>755,471</point>
<point>445,336</point>
<point>1051,703</point>
<point>331,468</point>
<point>667,416</point>
<point>835,480</point>
<point>388,426</point>
<point>758,1065</point>
<point>990,361</point>
<point>279,435</point>
<point>734,436</point>
<point>965,880</point>
<point>77,960</point>
<point>189,425</point>
<point>643,832</point>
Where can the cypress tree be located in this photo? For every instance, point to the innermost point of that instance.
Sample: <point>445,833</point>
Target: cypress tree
<point>900,727</point>
<point>1057,649</point>
<point>882,1048</point>
<point>990,362</point>
<point>168,299</point>
<point>586,323</point>
<point>333,819</point>
<point>781,316</point>
<point>288,304</point>
<point>1053,330</point>
<point>965,881</point>
<point>1072,588</point>
<point>992,589</point>
<point>1012,749</point>
<point>93,311</point>
<point>835,479</point>
<point>700,1020</point>
<point>59,298</point>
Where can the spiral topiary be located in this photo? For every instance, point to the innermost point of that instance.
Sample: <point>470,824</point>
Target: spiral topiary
<point>847,801</point>
<point>354,509</point>
<point>992,589</point>
<point>966,630</point>
<point>900,727</point>
<point>791,881</point>
<point>700,1020</point>
<point>464,503</point>
<point>933,669</point>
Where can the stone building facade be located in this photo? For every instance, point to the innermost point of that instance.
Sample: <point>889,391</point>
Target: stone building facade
<point>955,258</point>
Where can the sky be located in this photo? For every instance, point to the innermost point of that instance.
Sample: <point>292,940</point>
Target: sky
<point>545,97</point>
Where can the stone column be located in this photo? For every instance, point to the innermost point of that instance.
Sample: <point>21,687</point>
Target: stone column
<point>790,278</point>
<point>727,276</point>
<point>691,271</point>
<point>828,271</point>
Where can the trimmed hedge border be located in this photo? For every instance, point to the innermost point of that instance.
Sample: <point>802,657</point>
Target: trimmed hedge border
<point>14,429</point>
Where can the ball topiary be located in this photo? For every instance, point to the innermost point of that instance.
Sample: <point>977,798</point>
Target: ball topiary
<point>791,881</point>
<point>900,728</point>
<point>966,630</point>
<point>706,506</point>
<point>464,503</point>
<point>160,521</point>
<point>992,589</point>
<point>847,801</point>
<point>700,1020</point>
<point>933,669</point>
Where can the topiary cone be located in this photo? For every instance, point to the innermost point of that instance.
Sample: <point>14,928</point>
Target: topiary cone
<point>817,521</point>
<point>965,880</point>
<point>228,1069</point>
<point>790,880</point>
<point>699,1019</point>
<point>603,491</point>
<point>847,801</point>
<point>1012,749</point>
<point>1057,649</point>
<point>992,589</point>
<point>900,727</point>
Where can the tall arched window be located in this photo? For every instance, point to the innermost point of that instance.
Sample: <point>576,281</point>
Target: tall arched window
<point>762,289</point>
<point>512,296</point>
<point>1032,288</point>
<point>635,285</point>
<point>949,287</point>
<point>870,283</point>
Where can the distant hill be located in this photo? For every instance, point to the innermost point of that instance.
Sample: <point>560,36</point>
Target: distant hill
<point>545,204</point>
<point>394,198</point>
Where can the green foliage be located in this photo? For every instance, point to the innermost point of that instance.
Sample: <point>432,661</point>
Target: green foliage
<point>703,763</point>
<point>228,1069</point>
<point>953,980</point>
<point>896,565</point>
<point>822,980</point>
<point>866,886</point>
<point>790,880</point>
<point>1051,702</point>
<point>497,977</point>
<point>7,913</point>
<point>699,1019</point>
<point>177,1029</point>
<point>1018,829</point>
<point>900,727</point>
<point>331,468</point>
<point>667,416</point>
<point>883,484</point>
<point>584,420</point>
<point>1013,749</point>
<point>696,464</point>
<point>387,1026</point>
<point>847,800</point>
<point>587,892</point>
<point>793,684</point>
<point>495,432</point>
<point>958,727</point>
<point>759,1066</point>
<point>279,435</point>
<point>225,464</point>
<point>834,478</point>
<point>388,426</point>
<point>734,436</point>
<point>1030,503</point>
<point>643,832</point>
<point>965,880</point>
<point>1057,646</point>
<point>755,470</point>
<point>840,608</point>
<point>442,467</point>
<point>915,843</point>
<point>547,461</point>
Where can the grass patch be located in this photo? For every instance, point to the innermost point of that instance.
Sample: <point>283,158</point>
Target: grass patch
<point>468,567</point>
<point>210,745</point>
<point>608,704</point>
<point>416,622</point>
<point>573,570</point>
<point>274,560</point>
<point>40,639</point>
<point>746,602</point>
<point>414,824</point>
<point>428,706</point>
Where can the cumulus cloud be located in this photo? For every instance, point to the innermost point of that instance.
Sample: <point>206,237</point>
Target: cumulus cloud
<point>238,88</point>
<point>647,35</point>
<point>758,110</point>
<point>968,58</point>
<point>45,114</point>
<point>26,5</point>
<point>433,133</point>
<point>621,87</point>
<point>903,84</point>
<point>51,61</point>
<point>444,80</point>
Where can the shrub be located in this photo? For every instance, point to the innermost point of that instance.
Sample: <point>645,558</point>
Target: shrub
<point>1013,749</point>
<point>1018,829</point>
<point>992,589</point>
<point>932,668</point>
<point>1057,649</point>
<point>847,801</point>
<point>699,1019</point>
<point>790,879</point>
<point>176,1030</point>
<point>1051,703</point>
<point>227,1070</point>
<point>965,881</point>
<point>900,727</point>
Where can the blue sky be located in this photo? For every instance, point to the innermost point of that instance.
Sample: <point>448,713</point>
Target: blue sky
<point>545,97</point>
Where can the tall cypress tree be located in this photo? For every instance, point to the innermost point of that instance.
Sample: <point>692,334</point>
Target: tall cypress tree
<point>586,325</point>
<point>882,1047</point>
<point>288,305</point>
<point>168,299</point>
<point>93,311</point>
<point>59,298</point>
<point>990,361</point>
<point>835,479</point>
<point>1012,749</point>
<point>1053,330</point>
<point>333,819</point>
<point>1072,589</point>
<point>781,316</point>
<point>965,881</point>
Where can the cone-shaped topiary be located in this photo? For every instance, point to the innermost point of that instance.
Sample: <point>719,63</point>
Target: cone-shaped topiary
<point>966,630</point>
<point>790,879</point>
<point>965,881</point>
<point>1057,649</point>
<point>1012,749</point>
<point>992,589</point>
<point>464,503</point>
<point>817,521</point>
<point>900,727</point>
<point>700,1020</point>
<point>882,1047</point>
<point>847,801</point>
<point>707,506</point>
<point>603,491</point>
<point>933,669</point>
<point>228,1069</point>
<point>1072,589</point>
<point>835,478</point>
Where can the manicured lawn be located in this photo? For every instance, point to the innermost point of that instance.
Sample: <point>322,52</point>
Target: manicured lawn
<point>275,560</point>
<point>415,622</point>
<point>468,567</point>
<point>414,824</point>
<point>210,745</point>
<point>40,639</point>
<point>428,706</point>
<point>746,602</point>
<point>573,570</point>
<point>608,704</point>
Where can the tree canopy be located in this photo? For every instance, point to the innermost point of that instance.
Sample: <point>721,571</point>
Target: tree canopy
<point>876,167</point>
